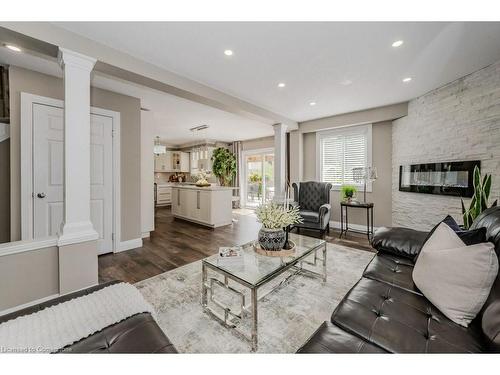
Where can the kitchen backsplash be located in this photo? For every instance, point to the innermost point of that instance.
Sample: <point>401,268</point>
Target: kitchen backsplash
<point>164,176</point>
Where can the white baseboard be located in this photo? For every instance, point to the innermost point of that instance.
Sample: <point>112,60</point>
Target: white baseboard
<point>360,227</point>
<point>27,304</point>
<point>145,234</point>
<point>130,244</point>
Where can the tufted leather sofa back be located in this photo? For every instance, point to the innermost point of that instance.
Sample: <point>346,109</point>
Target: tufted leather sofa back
<point>490,314</point>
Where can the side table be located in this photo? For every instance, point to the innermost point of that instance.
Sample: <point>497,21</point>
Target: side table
<point>369,218</point>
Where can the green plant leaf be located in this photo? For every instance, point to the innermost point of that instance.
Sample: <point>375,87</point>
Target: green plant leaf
<point>472,202</point>
<point>487,186</point>
<point>466,220</point>
<point>223,165</point>
<point>470,220</point>
<point>477,178</point>
<point>463,205</point>
<point>484,202</point>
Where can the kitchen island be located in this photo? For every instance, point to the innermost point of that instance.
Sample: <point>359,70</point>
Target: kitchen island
<point>210,206</point>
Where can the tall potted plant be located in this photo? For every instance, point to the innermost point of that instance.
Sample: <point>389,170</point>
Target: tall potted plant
<point>223,165</point>
<point>479,202</point>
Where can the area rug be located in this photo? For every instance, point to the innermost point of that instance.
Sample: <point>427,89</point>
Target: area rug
<point>288,316</point>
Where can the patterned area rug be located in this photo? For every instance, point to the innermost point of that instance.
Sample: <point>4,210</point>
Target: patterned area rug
<point>288,316</point>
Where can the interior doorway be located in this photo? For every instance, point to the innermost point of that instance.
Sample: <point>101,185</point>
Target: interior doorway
<point>42,173</point>
<point>258,177</point>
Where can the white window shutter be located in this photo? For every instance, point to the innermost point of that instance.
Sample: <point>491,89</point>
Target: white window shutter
<point>341,151</point>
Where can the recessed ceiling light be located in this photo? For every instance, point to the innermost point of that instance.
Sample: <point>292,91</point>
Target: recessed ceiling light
<point>312,104</point>
<point>281,84</point>
<point>407,79</point>
<point>397,43</point>
<point>13,48</point>
<point>228,52</point>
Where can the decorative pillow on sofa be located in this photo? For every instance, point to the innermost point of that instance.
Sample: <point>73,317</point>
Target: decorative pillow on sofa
<point>455,277</point>
<point>469,237</point>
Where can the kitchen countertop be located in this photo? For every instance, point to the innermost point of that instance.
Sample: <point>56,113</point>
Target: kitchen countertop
<point>209,188</point>
<point>191,185</point>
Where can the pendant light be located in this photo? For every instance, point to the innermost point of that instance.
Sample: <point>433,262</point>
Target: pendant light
<point>158,147</point>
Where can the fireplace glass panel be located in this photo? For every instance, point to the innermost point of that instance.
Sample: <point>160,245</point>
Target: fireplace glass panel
<point>450,178</point>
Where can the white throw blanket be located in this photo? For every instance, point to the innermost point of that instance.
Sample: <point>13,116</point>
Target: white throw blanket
<point>57,326</point>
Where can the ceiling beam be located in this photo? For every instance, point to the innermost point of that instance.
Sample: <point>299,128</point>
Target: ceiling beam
<point>45,38</point>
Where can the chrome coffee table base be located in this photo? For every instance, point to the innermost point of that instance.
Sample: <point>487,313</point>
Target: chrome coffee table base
<point>232,319</point>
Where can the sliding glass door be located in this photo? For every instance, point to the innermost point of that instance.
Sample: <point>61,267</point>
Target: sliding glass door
<point>258,177</point>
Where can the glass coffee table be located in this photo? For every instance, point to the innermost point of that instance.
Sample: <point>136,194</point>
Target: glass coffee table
<point>253,271</point>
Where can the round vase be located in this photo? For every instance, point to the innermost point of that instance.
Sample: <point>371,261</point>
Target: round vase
<point>271,239</point>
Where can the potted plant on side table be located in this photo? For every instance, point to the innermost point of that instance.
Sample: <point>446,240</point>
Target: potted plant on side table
<point>348,192</point>
<point>274,218</point>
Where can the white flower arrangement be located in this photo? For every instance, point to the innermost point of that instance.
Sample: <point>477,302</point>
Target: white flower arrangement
<point>202,176</point>
<point>277,216</point>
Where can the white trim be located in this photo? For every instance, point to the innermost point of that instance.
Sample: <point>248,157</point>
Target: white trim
<point>28,304</point>
<point>360,227</point>
<point>84,233</point>
<point>69,57</point>
<point>243,170</point>
<point>116,120</point>
<point>345,130</point>
<point>27,101</point>
<point>28,245</point>
<point>130,244</point>
<point>145,234</point>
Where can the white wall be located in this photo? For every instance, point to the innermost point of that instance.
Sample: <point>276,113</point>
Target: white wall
<point>459,121</point>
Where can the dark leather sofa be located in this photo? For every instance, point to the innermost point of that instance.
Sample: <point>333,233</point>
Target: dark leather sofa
<point>385,312</point>
<point>137,334</point>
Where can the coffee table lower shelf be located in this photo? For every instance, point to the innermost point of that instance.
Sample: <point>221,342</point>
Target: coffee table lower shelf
<point>231,319</point>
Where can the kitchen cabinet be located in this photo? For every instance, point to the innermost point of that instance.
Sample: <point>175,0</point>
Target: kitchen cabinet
<point>184,162</point>
<point>210,206</point>
<point>163,195</point>
<point>163,162</point>
<point>172,161</point>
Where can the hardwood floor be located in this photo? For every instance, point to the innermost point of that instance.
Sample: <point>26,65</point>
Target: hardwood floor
<point>175,243</point>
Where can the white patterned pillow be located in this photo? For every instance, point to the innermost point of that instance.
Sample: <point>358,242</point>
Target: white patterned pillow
<point>456,278</point>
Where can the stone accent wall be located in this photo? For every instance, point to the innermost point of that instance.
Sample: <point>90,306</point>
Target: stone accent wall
<point>459,121</point>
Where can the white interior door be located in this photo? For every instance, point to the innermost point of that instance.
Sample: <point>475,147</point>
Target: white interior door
<point>101,180</point>
<point>48,126</point>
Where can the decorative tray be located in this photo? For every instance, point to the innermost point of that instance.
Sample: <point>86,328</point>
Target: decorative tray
<point>203,185</point>
<point>277,253</point>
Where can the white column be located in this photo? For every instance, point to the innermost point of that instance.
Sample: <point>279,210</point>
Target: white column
<point>76,226</point>
<point>296,156</point>
<point>279,161</point>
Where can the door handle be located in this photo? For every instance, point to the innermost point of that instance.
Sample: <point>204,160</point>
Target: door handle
<point>41,195</point>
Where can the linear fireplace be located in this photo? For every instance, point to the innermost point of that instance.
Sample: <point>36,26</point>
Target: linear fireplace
<point>449,178</point>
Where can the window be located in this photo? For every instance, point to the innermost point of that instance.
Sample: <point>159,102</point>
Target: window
<point>341,150</point>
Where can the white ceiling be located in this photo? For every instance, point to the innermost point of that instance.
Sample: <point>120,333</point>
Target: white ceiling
<point>171,116</point>
<point>313,59</point>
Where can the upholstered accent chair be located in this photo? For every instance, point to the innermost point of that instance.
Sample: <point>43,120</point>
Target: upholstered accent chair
<point>313,199</point>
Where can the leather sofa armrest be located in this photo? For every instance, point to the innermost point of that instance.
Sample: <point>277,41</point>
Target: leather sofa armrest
<point>324,213</point>
<point>403,242</point>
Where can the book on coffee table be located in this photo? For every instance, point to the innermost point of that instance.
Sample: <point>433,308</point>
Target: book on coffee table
<point>230,255</point>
